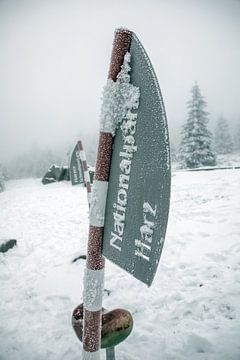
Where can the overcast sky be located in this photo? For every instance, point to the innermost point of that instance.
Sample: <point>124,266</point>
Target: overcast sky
<point>54,58</point>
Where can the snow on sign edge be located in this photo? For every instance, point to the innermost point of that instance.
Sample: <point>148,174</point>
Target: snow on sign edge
<point>143,150</point>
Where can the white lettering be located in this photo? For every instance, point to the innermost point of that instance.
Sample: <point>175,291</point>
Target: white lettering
<point>139,253</point>
<point>119,222</point>
<point>126,155</point>
<point>114,238</point>
<point>125,166</point>
<point>130,148</point>
<point>129,139</point>
<point>122,197</point>
<point>128,128</point>
<point>123,181</point>
<point>118,207</point>
<point>143,246</point>
<point>147,208</point>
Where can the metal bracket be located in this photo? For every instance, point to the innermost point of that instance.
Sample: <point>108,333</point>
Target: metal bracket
<point>110,353</point>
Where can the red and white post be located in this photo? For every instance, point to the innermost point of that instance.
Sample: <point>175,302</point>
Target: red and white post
<point>94,272</point>
<point>85,170</point>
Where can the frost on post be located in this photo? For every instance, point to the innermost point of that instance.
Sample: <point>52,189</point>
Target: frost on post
<point>119,98</point>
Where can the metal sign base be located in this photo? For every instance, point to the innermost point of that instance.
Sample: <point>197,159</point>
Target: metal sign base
<point>110,353</point>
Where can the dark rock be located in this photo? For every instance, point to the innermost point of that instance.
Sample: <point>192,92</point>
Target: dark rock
<point>108,292</point>
<point>8,244</point>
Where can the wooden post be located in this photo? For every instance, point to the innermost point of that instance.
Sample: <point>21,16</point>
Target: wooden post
<point>94,272</point>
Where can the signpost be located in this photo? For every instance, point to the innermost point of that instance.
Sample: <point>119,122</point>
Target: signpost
<point>131,191</point>
<point>79,169</point>
<point>85,170</point>
<point>76,168</point>
<point>94,272</point>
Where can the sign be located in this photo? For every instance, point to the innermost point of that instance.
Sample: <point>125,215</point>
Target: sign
<point>138,196</point>
<point>76,169</point>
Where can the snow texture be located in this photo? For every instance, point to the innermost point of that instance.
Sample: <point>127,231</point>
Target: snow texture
<point>192,310</point>
<point>118,98</point>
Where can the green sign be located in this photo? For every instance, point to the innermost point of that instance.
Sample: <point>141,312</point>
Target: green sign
<point>76,169</point>
<point>138,196</point>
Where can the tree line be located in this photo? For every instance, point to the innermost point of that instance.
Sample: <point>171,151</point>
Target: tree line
<point>37,160</point>
<point>198,146</point>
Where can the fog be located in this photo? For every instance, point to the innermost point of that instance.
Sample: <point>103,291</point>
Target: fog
<point>55,57</point>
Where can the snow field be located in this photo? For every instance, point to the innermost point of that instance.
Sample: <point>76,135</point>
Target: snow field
<point>191,311</point>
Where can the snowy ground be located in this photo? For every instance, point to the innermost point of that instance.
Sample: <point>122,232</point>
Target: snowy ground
<point>192,310</point>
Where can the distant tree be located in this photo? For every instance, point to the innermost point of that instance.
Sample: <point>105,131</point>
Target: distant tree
<point>196,140</point>
<point>223,141</point>
<point>90,144</point>
<point>2,185</point>
<point>173,152</point>
<point>237,137</point>
<point>33,163</point>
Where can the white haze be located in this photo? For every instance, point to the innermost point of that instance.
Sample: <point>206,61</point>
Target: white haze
<point>55,57</point>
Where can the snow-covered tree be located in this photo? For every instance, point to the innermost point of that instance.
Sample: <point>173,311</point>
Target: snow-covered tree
<point>173,152</point>
<point>2,186</point>
<point>223,140</point>
<point>196,140</point>
<point>237,137</point>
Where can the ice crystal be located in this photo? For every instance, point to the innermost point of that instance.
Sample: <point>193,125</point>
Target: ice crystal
<point>119,98</point>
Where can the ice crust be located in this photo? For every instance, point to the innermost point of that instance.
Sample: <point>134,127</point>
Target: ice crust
<point>119,98</point>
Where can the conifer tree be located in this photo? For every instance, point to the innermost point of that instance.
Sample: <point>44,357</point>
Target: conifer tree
<point>173,152</point>
<point>237,138</point>
<point>196,140</point>
<point>2,186</point>
<point>223,140</point>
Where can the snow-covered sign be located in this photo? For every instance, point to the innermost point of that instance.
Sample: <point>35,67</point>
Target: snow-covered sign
<point>76,168</point>
<point>138,196</point>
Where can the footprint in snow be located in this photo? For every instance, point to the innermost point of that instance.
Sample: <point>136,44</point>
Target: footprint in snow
<point>199,344</point>
<point>227,311</point>
<point>216,257</point>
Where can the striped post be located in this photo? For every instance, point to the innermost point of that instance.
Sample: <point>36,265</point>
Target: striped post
<point>94,272</point>
<point>85,171</point>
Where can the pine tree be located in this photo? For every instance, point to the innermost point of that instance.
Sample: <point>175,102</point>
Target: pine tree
<point>173,152</point>
<point>223,140</point>
<point>2,186</point>
<point>237,138</point>
<point>195,147</point>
